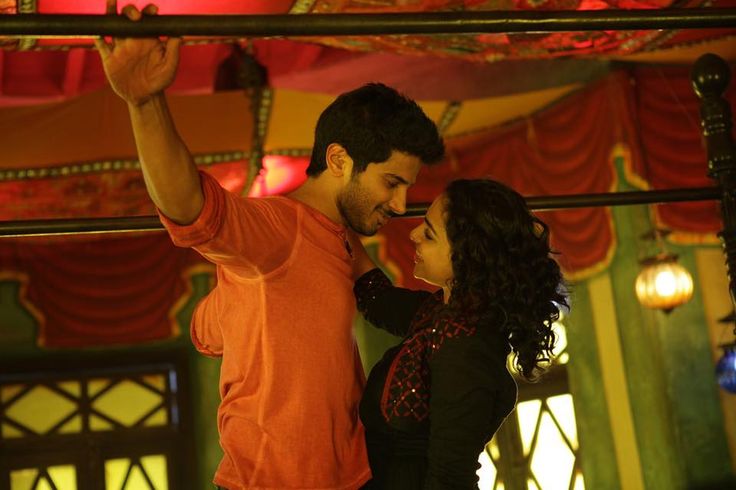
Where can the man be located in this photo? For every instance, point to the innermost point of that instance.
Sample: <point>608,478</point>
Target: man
<point>281,314</point>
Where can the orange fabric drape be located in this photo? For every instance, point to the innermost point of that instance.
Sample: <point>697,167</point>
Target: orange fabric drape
<point>96,126</point>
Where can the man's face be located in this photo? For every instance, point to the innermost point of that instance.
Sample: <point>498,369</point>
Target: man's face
<point>369,199</point>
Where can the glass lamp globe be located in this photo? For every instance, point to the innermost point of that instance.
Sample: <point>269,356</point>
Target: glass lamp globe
<point>726,368</point>
<point>663,283</point>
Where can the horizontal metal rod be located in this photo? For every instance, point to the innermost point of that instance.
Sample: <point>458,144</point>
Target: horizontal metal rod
<point>544,203</point>
<point>79,226</point>
<point>548,203</point>
<point>64,25</point>
<point>574,201</point>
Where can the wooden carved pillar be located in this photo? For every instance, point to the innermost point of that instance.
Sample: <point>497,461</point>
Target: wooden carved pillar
<point>710,77</point>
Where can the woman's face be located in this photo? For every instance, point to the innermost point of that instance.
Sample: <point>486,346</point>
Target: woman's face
<point>432,260</point>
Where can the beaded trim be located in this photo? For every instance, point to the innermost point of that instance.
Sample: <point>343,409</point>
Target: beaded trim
<point>123,164</point>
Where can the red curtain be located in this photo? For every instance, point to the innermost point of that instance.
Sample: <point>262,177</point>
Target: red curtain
<point>673,154</point>
<point>649,117</point>
<point>567,149</point>
<point>101,291</point>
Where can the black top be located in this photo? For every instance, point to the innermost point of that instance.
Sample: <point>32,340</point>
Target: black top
<point>434,401</point>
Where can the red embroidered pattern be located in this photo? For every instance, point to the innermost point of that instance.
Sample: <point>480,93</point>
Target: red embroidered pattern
<point>407,388</point>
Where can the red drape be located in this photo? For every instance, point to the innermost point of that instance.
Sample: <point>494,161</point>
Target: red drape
<point>673,154</point>
<point>33,77</point>
<point>567,149</point>
<point>101,291</point>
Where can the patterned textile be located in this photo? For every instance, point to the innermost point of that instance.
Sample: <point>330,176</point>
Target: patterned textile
<point>406,394</point>
<point>501,46</point>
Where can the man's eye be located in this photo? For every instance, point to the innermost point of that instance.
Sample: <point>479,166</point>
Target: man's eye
<point>392,184</point>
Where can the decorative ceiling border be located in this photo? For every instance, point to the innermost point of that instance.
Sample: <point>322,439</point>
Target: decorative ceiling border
<point>448,116</point>
<point>27,7</point>
<point>109,165</point>
<point>125,164</point>
<point>302,6</point>
<point>186,42</point>
<point>262,100</point>
<point>291,152</point>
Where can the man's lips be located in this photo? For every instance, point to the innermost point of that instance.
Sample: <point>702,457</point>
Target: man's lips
<point>383,217</point>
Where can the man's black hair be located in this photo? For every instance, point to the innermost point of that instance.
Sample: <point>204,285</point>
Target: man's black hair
<point>370,122</point>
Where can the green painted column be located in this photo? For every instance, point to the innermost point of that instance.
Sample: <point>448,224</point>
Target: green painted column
<point>18,328</point>
<point>661,461</point>
<point>692,389</point>
<point>205,376</point>
<point>591,411</point>
<point>373,342</point>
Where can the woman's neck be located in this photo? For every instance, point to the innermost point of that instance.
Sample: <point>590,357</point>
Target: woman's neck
<point>446,294</point>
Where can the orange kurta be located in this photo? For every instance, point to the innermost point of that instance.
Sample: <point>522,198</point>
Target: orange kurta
<point>281,318</point>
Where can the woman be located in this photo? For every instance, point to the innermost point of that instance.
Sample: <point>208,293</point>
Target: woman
<point>434,401</point>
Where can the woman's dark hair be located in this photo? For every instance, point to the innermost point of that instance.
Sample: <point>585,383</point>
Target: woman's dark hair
<point>503,272</point>
<point>370,122</point>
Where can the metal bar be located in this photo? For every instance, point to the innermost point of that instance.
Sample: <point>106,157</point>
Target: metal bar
<point>10,229</point>
<point>574,201</point>
<point>64,25</point>
<point>79,226</point>
<point>547,203</point>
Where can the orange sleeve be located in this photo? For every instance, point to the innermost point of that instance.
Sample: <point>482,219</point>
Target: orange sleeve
<point>252,236</point>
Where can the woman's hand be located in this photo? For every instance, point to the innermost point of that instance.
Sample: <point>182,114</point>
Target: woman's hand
<point>362,262</point>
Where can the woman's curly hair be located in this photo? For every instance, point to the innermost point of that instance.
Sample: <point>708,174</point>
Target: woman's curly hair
<point>503,272</point>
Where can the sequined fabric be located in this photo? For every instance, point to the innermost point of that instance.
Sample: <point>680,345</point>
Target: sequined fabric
<point>368,287</point>
<point>406,392</point>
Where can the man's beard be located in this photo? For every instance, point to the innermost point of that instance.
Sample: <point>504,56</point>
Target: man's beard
<point>354,207</point>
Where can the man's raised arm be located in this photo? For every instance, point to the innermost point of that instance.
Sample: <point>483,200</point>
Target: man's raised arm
<point>139,70</point>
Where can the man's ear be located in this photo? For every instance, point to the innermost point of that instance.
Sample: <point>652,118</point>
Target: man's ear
<point>338,161</point>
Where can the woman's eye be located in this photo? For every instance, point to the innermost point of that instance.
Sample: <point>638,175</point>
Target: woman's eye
<point>427,235</point>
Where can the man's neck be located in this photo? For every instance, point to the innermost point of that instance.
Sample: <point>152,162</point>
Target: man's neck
<point>316,194</point>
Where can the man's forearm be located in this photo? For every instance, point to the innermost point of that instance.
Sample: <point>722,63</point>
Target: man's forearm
<point>169,171</point>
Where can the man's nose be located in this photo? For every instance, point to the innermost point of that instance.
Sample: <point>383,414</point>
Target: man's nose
<point>398,202</point>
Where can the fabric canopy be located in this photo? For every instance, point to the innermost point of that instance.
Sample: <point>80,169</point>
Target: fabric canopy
<point>480,47</point>
<point>545,127</point>
<point>126,289</point>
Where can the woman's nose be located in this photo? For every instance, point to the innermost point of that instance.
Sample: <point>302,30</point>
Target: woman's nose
<point>413,235</point>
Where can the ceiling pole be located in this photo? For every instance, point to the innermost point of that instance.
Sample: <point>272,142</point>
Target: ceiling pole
<point>711,77</point>
<point>64,25</point>
<point>151,223</point>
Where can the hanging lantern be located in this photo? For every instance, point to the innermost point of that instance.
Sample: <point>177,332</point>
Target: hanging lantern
<point>726,365</point>
<point>726,368</point>
<point>663,284</point>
